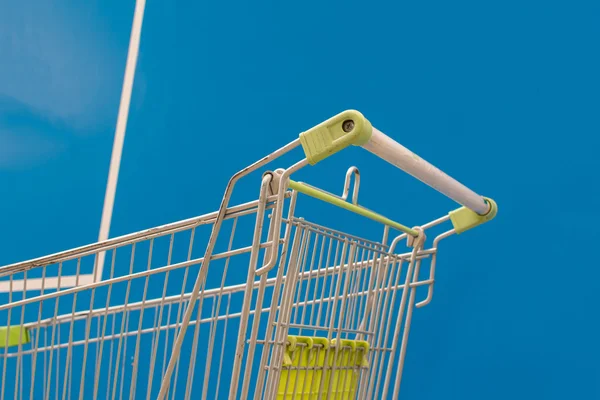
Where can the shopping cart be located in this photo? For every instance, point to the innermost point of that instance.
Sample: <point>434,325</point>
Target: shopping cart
<point>295,310</point>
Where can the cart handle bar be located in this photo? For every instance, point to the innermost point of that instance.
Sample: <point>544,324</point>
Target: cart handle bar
<point>352,128</point>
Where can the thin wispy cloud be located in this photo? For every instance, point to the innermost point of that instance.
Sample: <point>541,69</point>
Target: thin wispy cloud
<point>60,59</point>
<point>29,137</point>
<point>18,151</point>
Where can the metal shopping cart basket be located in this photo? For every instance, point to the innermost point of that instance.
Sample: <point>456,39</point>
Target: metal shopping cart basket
<point>192,309</point>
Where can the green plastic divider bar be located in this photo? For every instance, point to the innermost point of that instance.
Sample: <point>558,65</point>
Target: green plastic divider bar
<point>336,201</point>
<point>13,336</point>
<point>464,219</point>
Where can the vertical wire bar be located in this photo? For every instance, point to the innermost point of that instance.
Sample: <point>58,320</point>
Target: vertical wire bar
<point>354,292</point>
<point>388,348</point>
<point>155,336</point>
<point>70,380</point>
<point>223,345</point>
<point>166,340</point>
<point>362,306</point>
<point>364,291</point>
<point>18,369</point>
<point>382,296</point>
<point>57,375</point>
<point>101,343</point>
<point>345,311</point>
<point>124,319</point>
<point>127,316</point>
<point>110,355</point>
<point>286,304</point>
<point>134,373</point>
<point>371,288</point>
<point>298,371</point>
<point>173,386</point>
<point>328,305</point>
<point>379,298</point>
<point>301,262</point>
<point>333,312</point>
<point>282,324</point>
<point>308,283</point>
<point>96,343</point>
<point>350,372</point>
<point>191,367</point>
<point>389,295</point>
<point>159,321</point>
<point>47,390</point>
<point>98,338</point>
<point>316,289</point>
<point>287,379</point>
<point>88,324</point>
<point>248,295</point>
<point>270,333</point>
<point>296,304</point>
<point>344,296</point>
<point>361,289</point>
<point>71,326</point>
<point>333,283</point>
<point>373,295</point>
<point>37,335</point>
<point>325,277</point>
<point>45,378</point>
<point>405,333</point>
<point>257,314</point>
<point>176,375</point>
<point>405,291</point>
<point>21,380</point>
<point>316,368</point>
<point>306,369</point>
<point>182,303</point>
<point>214,324</point>
<point>343,370</point>
<point>363,372</point>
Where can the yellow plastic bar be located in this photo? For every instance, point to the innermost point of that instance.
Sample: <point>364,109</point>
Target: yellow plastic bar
<point>336,201</point>
<point>13,336</point>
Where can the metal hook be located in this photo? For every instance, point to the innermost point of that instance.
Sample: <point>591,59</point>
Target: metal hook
<point>352,171</point>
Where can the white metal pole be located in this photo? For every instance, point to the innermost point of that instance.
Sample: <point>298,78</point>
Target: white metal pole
<point>398,155</point>
<point>115,161</point>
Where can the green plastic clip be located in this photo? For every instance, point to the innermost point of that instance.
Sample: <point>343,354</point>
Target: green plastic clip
<point>464,219</point>
<point>347,128</point>
<point>13,336</point>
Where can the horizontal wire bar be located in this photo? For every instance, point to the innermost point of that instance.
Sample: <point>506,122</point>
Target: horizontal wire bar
<point>130,238</point>
<point>208,293</point>
<point>133,276</point>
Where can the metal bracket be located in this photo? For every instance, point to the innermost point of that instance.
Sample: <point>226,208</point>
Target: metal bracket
<point>273,188</point>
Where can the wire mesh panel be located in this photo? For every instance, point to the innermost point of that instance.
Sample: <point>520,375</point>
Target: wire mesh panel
<point>319,324</point>
<point>331,328</point>
<point>112,338</point>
